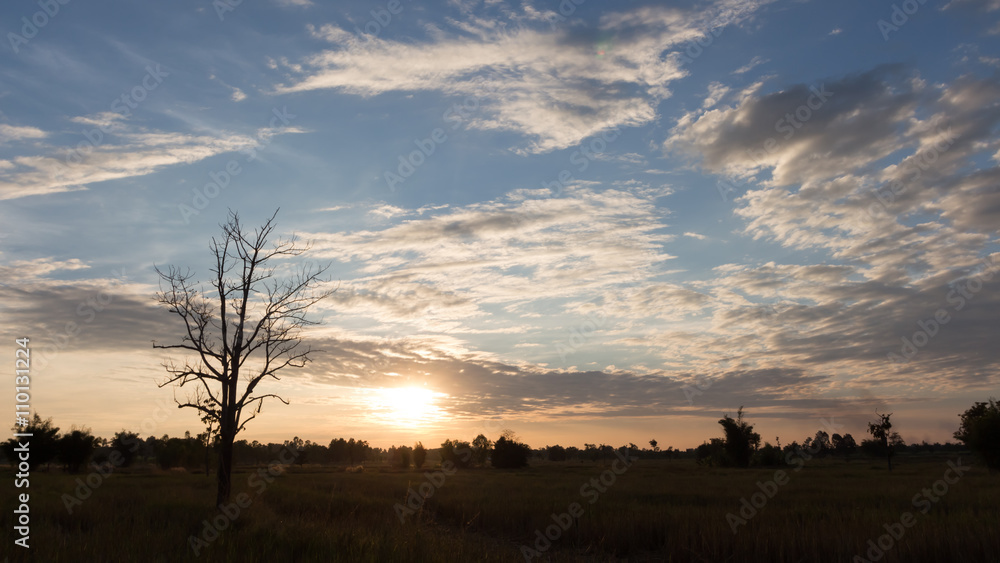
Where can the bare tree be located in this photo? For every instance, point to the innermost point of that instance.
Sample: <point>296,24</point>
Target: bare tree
<point>244,328</point>
<point>880,431</point>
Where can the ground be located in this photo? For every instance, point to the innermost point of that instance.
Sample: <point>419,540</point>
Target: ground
<point>652,511</point>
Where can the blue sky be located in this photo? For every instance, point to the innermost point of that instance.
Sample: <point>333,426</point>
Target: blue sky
<point>587,222</point>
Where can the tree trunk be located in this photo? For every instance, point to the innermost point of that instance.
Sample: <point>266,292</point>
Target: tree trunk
<point>225,475</point>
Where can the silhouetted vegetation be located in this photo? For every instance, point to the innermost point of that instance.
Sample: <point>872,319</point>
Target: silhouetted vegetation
<point>419,455</point>
<point>880,431</point>
<point>246,314</point>
<point>44,442</point>
<point>509,453</point>
<point>127,444</point>
<point>980,431</point>
<point>75,449</point>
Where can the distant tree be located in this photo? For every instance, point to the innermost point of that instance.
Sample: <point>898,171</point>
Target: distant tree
<point>404,457</point>
<point>76,448</point>
<point>448,453</point>
<point>768,456</point>
<point>242,329</point>
<point>740,439</point>
<point>127,444</point>
<point>351,450</point>
<point>653,444</point>
<point>509,454</point>
<point>843,445</point>
<point>880,431</point>
<point>980,432</point>
<point>481,447</point>
<point>419,455</point>
<point>555,453</point>
<point>298,447</point>
<point>712,453</point>
<point>44,442</point>
<point>821,443</point>
<point>591,452</point>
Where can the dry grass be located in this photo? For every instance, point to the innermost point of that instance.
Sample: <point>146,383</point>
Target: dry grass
<point>656,511</point>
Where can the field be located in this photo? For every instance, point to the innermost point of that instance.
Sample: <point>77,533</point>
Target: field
<point>654,511</point>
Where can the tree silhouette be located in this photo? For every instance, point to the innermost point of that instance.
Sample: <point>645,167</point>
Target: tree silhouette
<point>76,448</point>
<point>508,453</point>
<point>741,441</point>
<point>243,329</point>
<point>980,431</point>
<point>880,431</point>
<point>481,447</point>
<point>127,444</point>
<point>43,444</point>
<point>419,455</point>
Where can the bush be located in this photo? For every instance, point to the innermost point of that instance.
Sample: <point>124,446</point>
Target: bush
<point>510,454</point>
<point>419,455</point>
<point>769,456</point>
<point>457,452</point>
<point>75,449</point>
<point>127,444</point>
<point>556,453</point>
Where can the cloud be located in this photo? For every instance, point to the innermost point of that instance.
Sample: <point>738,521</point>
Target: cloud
<point>556,85</point>
<point>852,120</point>
<point>754,62</point>
<point>10,133</point>
<point>114,152</point>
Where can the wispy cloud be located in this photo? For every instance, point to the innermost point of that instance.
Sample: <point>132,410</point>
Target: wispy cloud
<point>556,86</point>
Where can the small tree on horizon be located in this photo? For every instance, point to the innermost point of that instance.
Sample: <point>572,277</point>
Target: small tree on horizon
<point>740,440</point>
<point>419,455</point>
<point>881,431</point>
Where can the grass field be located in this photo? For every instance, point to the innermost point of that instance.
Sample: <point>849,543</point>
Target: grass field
<point>654,511</point>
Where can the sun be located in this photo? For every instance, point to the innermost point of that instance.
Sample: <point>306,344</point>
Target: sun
<point>410,406</point>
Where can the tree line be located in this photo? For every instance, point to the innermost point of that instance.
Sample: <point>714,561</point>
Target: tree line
<point>741,446</point>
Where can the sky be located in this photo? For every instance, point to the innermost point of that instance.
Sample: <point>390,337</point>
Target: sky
<point>584,221</point>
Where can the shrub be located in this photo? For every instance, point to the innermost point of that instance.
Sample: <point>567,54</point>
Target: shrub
<point>510,454</point>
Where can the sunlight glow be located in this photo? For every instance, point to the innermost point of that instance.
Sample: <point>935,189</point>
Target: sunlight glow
<point>406,406</point>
